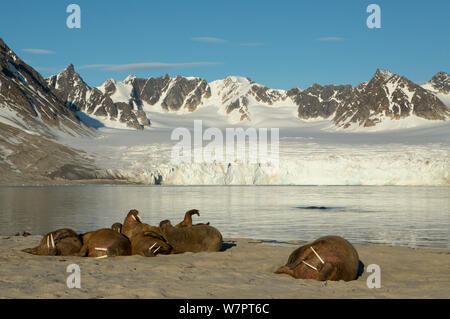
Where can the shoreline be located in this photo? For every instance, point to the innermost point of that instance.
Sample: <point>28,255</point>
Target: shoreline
<point>245,269</point>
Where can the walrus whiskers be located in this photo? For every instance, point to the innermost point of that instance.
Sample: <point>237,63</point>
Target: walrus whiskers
<point>311,266</point>
<point>321,260</point>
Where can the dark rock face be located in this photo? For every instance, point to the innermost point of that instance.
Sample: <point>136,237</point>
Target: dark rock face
<point>150,90</point>
<point>70,88</point>
<point>320,101</point>
<point>441,82</point>
<point>266,95</point>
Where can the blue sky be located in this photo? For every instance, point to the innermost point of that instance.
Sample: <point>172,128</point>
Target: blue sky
<point>281,44</point>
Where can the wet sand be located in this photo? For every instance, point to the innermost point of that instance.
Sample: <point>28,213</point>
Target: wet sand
<point>243,270</point>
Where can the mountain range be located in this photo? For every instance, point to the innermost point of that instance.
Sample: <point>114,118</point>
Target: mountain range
<point>386,95</point>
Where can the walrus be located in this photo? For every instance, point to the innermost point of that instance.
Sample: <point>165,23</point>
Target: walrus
<point>187,221</point>
<point>195,238</point>
<point>133,225</point>
<point>149,244</point>
<point>104,243</point>
<point>61,242</point>
<point>327,258</point>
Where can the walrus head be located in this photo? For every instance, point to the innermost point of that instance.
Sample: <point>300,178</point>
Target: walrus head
<point>131,221</point>
<point>165,225</point>
<point>188,216</point>
<point>117,227</point>
<point>187,221</point>
<point>132,218</point>
<point>47,247</point>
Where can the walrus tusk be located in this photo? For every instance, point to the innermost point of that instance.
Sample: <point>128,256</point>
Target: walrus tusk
<point>48,242</point>
<point>104,256</point>
<point>51,239</point>
<point>321,260</point>
<point>139,218</point>
<point>133,217</point>
<point>311,266</point>
<point>100,248</point>
<point>156,249</point>
<point>152,246</point>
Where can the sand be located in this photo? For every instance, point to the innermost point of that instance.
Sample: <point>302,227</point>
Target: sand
<point>244,270</point>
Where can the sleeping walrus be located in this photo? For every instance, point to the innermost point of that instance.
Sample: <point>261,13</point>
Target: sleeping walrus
<point>61,242</point>
<point>105,242</point>
<point>195,238</point>
<point>327,258</point>
<point>149,244</point>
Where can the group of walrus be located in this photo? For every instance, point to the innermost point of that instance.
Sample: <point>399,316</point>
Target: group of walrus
<point>133,237</point>
<point>327,258</point>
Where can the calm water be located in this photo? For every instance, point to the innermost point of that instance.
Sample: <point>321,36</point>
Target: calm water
<point>406,216</point>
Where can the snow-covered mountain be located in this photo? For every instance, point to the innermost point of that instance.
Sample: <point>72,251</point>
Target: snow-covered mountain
<point>387,97</point>
<point>440,86</point>
<point>27,103</point>
<point>93,104</point>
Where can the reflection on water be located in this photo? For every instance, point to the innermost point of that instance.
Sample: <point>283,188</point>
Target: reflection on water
<point>407,216</point>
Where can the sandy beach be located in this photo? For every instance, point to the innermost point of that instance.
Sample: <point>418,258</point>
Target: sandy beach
<point>243,270</point>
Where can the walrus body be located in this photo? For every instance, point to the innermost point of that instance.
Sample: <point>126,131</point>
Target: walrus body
<point>195,238</point>
<point>105,242</point>
<point>327,258</point>
<point>61,242</point>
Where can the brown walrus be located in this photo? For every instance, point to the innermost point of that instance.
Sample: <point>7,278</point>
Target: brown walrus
<point>145,240</point>
<point>61,242</point>
<point>149,244</point>
<point>105,242</point>
<point>133,225</point>
<point>195,238</point>
<point>187,221</point>
<point>327,258</point>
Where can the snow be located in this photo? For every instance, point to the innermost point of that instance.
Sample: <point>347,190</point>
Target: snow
<point>11,118</point>
<point>445,98</point>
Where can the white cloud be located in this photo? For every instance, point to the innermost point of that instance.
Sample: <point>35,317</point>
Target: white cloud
<point>145,66</point>
<point>208,40</point>
<point>38,51</point>
<point>251,44</point>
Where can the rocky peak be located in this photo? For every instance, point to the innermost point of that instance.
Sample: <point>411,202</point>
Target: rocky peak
<point>382,75</point>
<point>441,82</point>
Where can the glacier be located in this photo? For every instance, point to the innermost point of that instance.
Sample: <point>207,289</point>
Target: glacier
<point>309,154</point>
